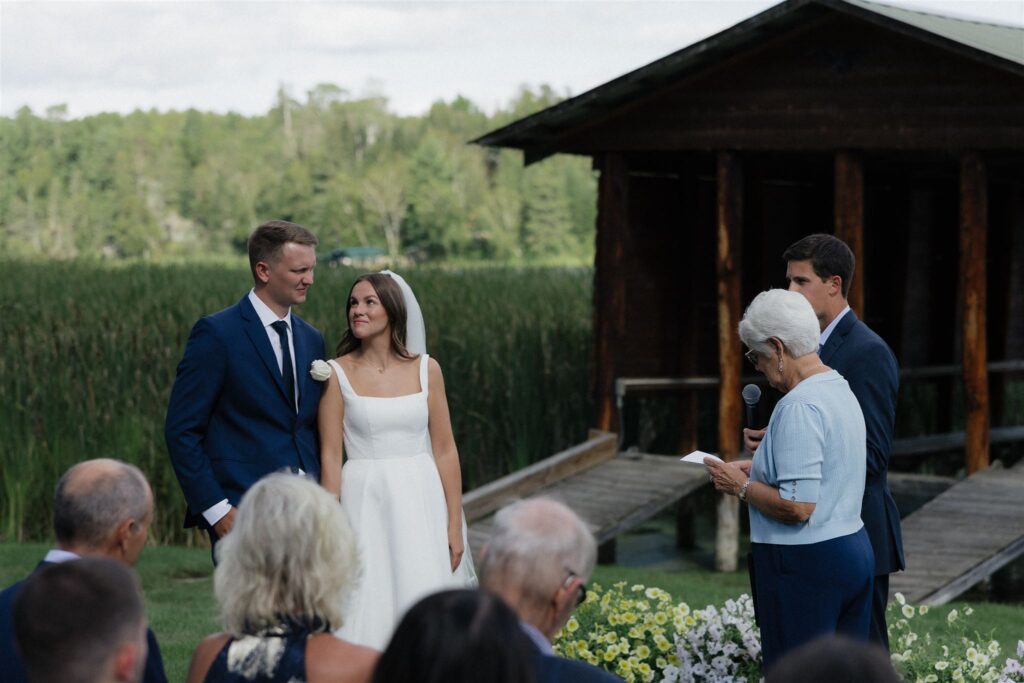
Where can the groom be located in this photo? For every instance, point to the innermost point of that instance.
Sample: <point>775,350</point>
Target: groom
<point>243,404</point>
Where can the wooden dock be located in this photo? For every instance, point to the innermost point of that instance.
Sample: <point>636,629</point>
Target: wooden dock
<point>612,492</point>
<point>962,536</point>
<point>967,531</point>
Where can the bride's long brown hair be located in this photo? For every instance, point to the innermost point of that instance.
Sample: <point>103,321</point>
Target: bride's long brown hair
<point>390,296</point>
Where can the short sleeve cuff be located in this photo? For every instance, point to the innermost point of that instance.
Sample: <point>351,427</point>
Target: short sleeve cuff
<point>217,512</point>
<point>800,490</point>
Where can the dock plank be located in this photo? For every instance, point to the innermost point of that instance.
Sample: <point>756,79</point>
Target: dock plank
<point>613,496</point>
<point>962,535</point>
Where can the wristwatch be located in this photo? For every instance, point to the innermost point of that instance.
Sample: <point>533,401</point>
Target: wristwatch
<point>742,495</point>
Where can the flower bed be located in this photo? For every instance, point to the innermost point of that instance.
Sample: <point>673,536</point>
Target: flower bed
<point>641,634</point>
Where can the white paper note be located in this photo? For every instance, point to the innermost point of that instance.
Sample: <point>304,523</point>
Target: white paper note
<point>697,457</point>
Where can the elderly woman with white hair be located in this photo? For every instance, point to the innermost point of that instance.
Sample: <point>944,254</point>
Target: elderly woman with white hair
<point>812,563</point>
<point>282,578</point>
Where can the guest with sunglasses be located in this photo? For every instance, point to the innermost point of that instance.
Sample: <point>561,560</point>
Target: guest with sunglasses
<point>813,565</point>
<point>538,560</point>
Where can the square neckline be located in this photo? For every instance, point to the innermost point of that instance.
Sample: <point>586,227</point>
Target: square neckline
<point>342,376</point>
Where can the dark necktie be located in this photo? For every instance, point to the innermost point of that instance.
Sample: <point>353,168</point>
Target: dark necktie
<point>281,327</point>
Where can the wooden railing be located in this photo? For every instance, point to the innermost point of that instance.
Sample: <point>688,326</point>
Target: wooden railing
<point>919,445</point>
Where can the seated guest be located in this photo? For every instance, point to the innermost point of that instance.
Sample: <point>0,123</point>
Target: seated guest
<point>813,566</point>
<point>538,560</point>
<point>102,508</point>
<point>457,636</point>
<point>282,577</point>
<point>834,659</point>
<point>81,622</point>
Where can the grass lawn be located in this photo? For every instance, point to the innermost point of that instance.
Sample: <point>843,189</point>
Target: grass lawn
<point>179,596</point>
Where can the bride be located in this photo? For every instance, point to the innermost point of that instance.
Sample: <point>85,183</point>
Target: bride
<point>401,485</point>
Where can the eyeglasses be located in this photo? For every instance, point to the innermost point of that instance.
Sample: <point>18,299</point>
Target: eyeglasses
<point>581,590</point>
<point>752,357</point>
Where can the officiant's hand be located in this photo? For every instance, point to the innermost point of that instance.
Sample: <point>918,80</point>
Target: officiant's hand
<point>752,439</point>
<point>727,477</point>
<point>455,547</point>
<point>223,527</point>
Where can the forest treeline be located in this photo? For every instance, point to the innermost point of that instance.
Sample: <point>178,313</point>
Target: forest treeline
<point>175,184</point>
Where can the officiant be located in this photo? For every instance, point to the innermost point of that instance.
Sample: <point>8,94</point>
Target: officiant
<point>813,565</point>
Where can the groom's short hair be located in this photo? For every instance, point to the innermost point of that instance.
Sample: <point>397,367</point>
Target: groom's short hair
<point>71,618</point>
<point>266,241</point>
<point>94,496</point>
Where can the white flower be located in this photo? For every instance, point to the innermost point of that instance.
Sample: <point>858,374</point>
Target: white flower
<point>900,599</point>
<point>320,370</point>
<point>908,611</point>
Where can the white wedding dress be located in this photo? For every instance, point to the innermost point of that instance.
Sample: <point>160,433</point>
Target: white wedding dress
<point>392,494</point>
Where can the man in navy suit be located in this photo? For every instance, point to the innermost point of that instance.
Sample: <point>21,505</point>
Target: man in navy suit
<point>821,268</point>
<point>243,403</point>
<point>538,559</point>
<point>102,508</point>
<point>82,621</point>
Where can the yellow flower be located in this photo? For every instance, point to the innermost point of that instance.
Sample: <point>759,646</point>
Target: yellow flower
<point>643,652</point>
<point>690,621</point>
<point>572,625</point>
<point>660,619</point>
<point>609,655</point>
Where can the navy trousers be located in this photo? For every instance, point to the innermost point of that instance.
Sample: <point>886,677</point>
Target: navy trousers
<point>805,591</point>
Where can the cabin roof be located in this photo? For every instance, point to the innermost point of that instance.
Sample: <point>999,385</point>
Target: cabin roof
<point>997,45</point>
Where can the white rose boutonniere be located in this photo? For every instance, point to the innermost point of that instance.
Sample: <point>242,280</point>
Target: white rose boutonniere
<point>320,370</point>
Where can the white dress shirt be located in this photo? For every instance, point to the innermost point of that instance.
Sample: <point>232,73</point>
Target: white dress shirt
<point>827,332</point>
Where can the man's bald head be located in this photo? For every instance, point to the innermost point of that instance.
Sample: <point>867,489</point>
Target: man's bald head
<point>97,497</point>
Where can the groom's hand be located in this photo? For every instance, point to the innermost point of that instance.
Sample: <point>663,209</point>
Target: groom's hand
<point>223,527</point>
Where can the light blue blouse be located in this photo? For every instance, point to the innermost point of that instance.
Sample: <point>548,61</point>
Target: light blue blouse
<point>814,451</point>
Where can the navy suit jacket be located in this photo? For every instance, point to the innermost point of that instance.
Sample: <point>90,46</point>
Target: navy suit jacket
<point>870,367</point>
<point>229,421</point>
<point>13,671</point>
<point>554,669</point>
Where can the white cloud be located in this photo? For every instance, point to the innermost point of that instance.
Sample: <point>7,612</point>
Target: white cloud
<point>222,55</point>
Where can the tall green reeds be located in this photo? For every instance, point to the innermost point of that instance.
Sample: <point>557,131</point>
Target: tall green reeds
<point>89,355</point>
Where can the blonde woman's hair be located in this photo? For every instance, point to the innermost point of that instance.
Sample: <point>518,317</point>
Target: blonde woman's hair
<point>290,553</point>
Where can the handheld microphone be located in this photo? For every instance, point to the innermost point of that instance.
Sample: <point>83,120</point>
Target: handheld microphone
<point>751,396</point>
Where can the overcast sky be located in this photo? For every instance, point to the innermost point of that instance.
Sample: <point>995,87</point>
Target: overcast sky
<point>232,56</point>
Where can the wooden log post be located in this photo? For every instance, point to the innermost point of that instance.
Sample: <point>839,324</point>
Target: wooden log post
<point>849,219</point>
<point>973,234</point>
<point>609,285</point>
<point>729,219</point>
